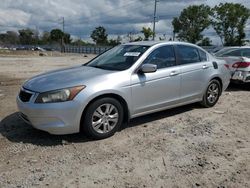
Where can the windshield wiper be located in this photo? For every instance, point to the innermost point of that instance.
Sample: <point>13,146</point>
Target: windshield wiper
<point>96,66</point>
<point>104,68</point>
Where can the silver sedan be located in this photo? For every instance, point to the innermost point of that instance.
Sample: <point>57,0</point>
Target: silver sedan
<point>125,82</point>
<point>238,59</point>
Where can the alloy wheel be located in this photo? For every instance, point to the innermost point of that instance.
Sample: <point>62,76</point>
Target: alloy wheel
<point>213,93</point>
<point>105,118</point>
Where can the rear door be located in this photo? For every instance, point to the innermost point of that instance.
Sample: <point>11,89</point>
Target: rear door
<point>195,71</point>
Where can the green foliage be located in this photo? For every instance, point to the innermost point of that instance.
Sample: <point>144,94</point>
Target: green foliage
<point>139,38</point>
<point>26,36</point>
<point>10,37</point>
<point>78,42</point>
<point>115,42</point>
<point>57,35</point>
<point>147,32</point>
<point>192,21</point>
<point>66,38</point>
<point>205,42</point>
<point>45,38</point>
<point>99,36</point>
<point>229,21</point>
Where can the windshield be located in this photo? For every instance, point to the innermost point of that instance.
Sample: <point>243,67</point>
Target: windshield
<point>118,58</point>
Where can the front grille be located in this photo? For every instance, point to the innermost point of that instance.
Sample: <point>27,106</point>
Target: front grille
<point>24,96</point>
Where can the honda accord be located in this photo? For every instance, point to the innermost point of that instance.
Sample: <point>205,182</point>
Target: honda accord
<point>127,81</point>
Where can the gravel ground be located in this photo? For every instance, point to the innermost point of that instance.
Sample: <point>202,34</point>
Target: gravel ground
<point>188,146</point>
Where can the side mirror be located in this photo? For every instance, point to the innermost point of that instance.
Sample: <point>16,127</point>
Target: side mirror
<point>148,68</point>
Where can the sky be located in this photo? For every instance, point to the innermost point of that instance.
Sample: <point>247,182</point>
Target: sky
<point>81,17</point>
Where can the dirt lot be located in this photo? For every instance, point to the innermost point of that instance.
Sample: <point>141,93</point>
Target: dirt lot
<point>188,146</point>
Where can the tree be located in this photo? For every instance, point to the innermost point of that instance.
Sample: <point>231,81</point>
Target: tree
<point>192,21</point>
<point>177,26</point>
<point>78,42</point>
<point>26,36</point>
<point>115,42</point>
<point>66,38</point>
<point>56,35</point>
<point>205,42</point>
<point>45,38</point>
<point>139,38</point>
<point>147,32</point>
<point>10,37</point>
<point>163,37</point>
<point>99,35</point>
<point>229,21</point>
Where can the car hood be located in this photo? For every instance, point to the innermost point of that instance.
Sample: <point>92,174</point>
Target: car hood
<point>63,78</point>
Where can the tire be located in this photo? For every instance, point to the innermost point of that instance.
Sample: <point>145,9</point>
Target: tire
<point>212,94</point>
<point>103,118</point>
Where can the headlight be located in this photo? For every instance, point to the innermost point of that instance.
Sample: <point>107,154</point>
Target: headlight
<point>60,95</point>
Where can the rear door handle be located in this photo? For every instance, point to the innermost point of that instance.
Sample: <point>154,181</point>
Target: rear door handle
<point>174,73</point>
<point>205,67</point>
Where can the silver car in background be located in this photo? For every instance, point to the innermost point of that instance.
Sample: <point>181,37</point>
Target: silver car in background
<point>125,82</point>
<point>238,59</point>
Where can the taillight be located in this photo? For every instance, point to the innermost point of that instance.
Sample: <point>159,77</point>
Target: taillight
<point>227,66</point>
<point>241,65</point>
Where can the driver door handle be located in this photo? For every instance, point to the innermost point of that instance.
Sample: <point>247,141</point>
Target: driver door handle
<point>174,73</point>
<point>205,67</point>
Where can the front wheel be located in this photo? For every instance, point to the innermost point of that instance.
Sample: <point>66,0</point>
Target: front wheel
<point>103,118</point>
<point>212,94</point>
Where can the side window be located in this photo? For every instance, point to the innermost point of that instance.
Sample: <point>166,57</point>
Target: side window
<point>246,52</point>
<point>162,57</point>
<point>203,55</point>
<point>188,54</point>
<point>236,53</point>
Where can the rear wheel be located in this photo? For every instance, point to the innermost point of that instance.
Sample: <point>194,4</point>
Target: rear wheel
<point>212,94</point>
<point>103,118</point>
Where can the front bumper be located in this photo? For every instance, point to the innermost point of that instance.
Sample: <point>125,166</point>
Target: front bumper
<point>55,118</point>
<point>243,76</point>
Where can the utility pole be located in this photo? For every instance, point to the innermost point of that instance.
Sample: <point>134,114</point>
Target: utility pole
<point>154,19</point>
<point>62,43</point>
<point>63,23</point>
<point>36,34</point>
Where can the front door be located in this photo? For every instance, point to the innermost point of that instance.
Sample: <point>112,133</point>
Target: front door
<point>155,91</point>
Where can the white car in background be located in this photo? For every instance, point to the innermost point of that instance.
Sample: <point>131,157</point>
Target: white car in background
<point>238,59</point>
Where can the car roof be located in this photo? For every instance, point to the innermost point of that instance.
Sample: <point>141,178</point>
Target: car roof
<point>152,43</point>
<point>236,47</point>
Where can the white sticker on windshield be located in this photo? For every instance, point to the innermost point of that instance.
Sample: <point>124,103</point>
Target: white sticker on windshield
<point>134,54</point>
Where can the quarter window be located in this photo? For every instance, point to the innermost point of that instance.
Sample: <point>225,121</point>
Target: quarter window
<point>188,54</point>
<point>246,52</point>
<point>203,55</point>
<point>162,57</point>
